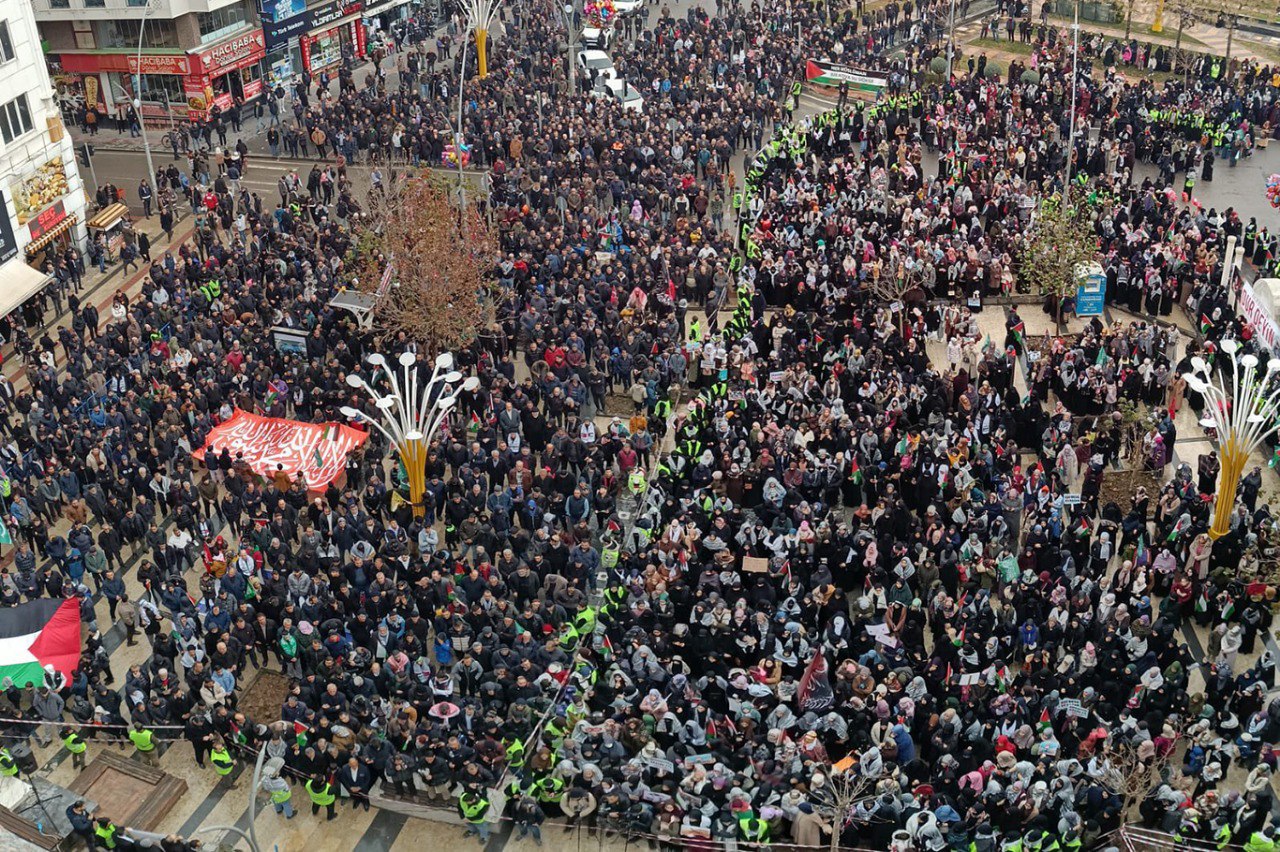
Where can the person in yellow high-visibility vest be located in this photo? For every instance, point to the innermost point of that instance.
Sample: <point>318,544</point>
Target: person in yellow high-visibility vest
<point>321,793</point>
<point>473,808</point>
<point>754,831</point>
<point>278,788</point>
<point>222,760</point>
<point>76,745</point>
<point>8,766</point>
<point>106,831</point>
<point>145,742</point>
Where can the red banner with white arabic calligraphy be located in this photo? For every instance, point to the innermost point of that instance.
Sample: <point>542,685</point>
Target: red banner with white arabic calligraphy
<point>318,450</point>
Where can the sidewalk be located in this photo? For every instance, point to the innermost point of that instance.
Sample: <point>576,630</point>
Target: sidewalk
<point>108,139</point>
<point>98,289</point>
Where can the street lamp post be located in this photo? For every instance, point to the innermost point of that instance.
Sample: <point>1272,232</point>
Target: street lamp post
<point>412,412</point>
<point>1075,80</point>
<point>951,39</point>
<point>1244,412</point>
<point>1231,262</point>
<point>570,37</point>
<point>137,94</point>
<point>457,140</point>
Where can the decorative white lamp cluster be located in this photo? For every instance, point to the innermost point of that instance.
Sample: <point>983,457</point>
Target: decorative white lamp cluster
<point>1244,414</point>
<point>413,412</point>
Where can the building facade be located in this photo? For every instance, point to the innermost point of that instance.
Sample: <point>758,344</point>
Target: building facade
<point>43,195</point>
<point>195,56</point>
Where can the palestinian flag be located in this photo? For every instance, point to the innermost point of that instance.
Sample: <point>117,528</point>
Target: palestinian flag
<point>37,634</point>
<point>1205,323</point>
<point>1018,331</point>
<point>1045,724</point>
<point>855,472</point>
<point>1275,458</point>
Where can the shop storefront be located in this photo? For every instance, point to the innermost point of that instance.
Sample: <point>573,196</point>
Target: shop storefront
<point>107,80</point>
<point>299,39</point>
<point>39,205</point>
<point>381,15</point>
<point>185,85</point>
<point>229,72</point>
<point>335,28</point>
<point>282,22</point>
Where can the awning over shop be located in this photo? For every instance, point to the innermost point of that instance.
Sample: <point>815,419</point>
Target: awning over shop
<point>18,282</point>
<point>52,234</point>
<point>108,216</point>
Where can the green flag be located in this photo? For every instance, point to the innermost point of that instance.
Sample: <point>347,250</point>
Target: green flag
<point>5,538</point>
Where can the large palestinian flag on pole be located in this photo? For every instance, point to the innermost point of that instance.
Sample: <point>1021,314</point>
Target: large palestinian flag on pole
<point>36,634</point>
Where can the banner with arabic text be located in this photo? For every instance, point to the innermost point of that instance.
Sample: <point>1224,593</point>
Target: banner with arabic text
<point>318,450</point>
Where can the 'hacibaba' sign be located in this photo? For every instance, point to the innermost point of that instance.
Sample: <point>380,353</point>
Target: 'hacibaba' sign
<point>833,74</point>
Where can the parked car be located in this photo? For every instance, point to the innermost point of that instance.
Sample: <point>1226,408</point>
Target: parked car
<point>621,91</point>
<point>595,65</point>
<point>598,38</point>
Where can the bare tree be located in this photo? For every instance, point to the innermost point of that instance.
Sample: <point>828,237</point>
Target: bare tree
<point>836,799</point>
<point>897,285</point>
<point>1132,773</point>
<point>440,258</point>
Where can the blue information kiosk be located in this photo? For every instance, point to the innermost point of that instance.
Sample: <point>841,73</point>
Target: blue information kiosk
<point>1091,293</point>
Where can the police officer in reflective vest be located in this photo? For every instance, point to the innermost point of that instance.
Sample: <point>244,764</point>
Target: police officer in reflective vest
<point>144,741</point>
<point>75,744</point>
<point>222,760</point>
<point>278,788</point>
<point>473,807</point>
<point>106,832</point>
<point>754,830</point>
<point>551,790</point>
<point>321,793</point>
<point>515,754</point>
<point>1261,841</point>
<point>8,766</point>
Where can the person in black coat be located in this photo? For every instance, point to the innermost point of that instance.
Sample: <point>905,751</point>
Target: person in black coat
<point>356,780</point>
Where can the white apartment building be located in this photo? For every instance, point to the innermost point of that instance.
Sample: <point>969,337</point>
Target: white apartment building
<point>43,194</point>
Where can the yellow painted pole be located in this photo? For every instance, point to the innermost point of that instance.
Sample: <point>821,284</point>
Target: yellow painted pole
<point>1233,461</point>
<point>1157,26</point>
<point>482,46</point>
<point>415,460</point>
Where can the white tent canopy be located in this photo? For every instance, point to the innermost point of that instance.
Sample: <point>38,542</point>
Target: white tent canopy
<point>18,282</point>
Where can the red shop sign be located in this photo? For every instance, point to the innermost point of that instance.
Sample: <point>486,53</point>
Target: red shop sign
<point>47,220</point>
<point>160,64</point>
<point>234,53</point>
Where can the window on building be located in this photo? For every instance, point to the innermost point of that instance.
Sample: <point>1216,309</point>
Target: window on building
<point>162,89</point>
<point>6,43</point>
<point>59,4</point>
<point>138,2</point>
<point>222,22</point>
<point>15,119</point>
<point>118,33</point>
<point>95,4</point>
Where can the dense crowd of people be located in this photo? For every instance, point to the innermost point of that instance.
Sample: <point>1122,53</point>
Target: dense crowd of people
<point>850,594</point>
